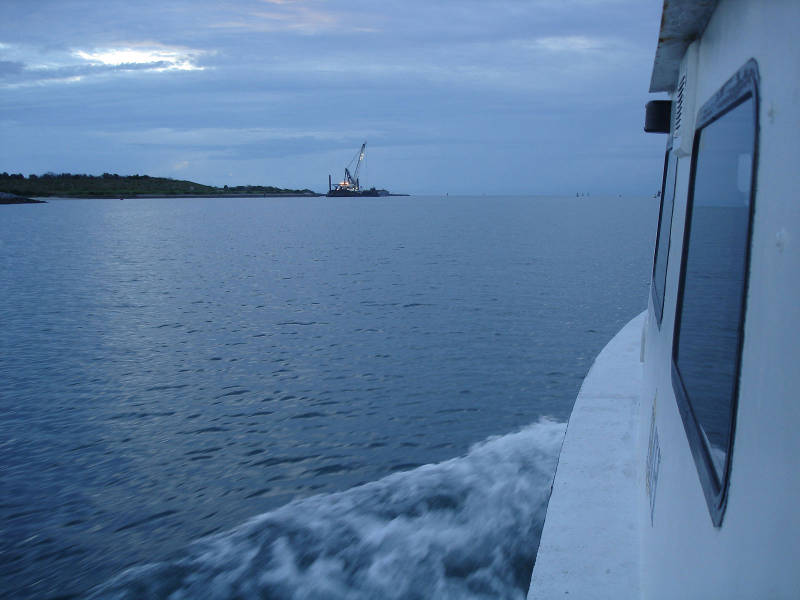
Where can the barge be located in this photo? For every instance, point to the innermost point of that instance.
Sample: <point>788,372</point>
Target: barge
<point>350,184</point>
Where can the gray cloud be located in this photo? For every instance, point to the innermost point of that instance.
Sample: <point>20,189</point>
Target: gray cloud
<point>252,90</point>
<point>10,67</point>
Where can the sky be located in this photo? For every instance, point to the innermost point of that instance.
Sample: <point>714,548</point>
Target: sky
<point>451,96</point>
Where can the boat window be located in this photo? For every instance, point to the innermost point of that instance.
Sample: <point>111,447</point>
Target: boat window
<point>663,234</point>
<point>709,322</point>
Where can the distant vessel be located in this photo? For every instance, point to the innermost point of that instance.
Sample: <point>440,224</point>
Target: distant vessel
<point>350,186</point>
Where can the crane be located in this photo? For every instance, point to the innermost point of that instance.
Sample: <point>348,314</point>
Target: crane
<point>360,156</point>
<point>351,185</point>
<point>350,181</point>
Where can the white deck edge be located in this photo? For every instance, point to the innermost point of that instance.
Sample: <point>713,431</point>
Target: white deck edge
<point>590,543</point>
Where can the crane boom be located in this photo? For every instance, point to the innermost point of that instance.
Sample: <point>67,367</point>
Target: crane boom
<point>360,160</point>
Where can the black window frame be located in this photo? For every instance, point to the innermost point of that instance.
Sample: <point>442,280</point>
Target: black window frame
<point>738,89</point>
<point>660,297</point>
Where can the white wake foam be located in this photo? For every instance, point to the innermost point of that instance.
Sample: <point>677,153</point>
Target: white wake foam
<point>465,528</point>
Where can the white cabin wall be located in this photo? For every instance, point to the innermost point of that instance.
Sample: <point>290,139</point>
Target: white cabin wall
<point>765,481</point>
<point>657,368</point>
<point>678,490</point>
<point>753,553</point>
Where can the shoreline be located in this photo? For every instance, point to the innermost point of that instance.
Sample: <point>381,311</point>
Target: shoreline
<point>140,196</point>
<point>6,198</point>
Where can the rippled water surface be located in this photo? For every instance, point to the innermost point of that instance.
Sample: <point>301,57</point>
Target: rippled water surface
<point>172,368</point>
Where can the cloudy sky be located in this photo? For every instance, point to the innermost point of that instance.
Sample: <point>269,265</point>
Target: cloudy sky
<point>458,96</point>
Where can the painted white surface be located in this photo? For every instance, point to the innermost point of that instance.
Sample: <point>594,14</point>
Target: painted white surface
<point>755,551</point>
<point>599,540</point>
<point>590,543</point>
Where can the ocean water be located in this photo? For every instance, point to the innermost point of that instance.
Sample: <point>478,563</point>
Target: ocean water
<point>307,398</point>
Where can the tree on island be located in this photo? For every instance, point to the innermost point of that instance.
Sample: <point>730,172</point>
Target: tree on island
<point>112,185</point>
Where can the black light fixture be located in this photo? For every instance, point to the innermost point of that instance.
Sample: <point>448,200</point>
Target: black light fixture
<point>657,116</point>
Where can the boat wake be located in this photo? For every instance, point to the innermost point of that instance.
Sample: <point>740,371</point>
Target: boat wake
<point>468,527</point>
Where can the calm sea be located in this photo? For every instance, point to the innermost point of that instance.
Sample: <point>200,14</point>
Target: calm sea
<point>292,397</point>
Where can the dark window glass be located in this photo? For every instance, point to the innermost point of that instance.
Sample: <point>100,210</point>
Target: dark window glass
<point>663,235</point>
<point>709,323</point>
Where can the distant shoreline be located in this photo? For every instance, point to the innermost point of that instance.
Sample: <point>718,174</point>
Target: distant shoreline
<point>144,196</point>
<point>111,185</point>
<point>6,198</point>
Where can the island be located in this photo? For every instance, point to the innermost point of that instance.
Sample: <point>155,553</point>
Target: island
<point>111,185</point>
<point>6,198</point>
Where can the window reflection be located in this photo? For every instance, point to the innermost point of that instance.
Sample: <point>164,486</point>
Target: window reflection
<point>712,305</point>
<point>663,239</point>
